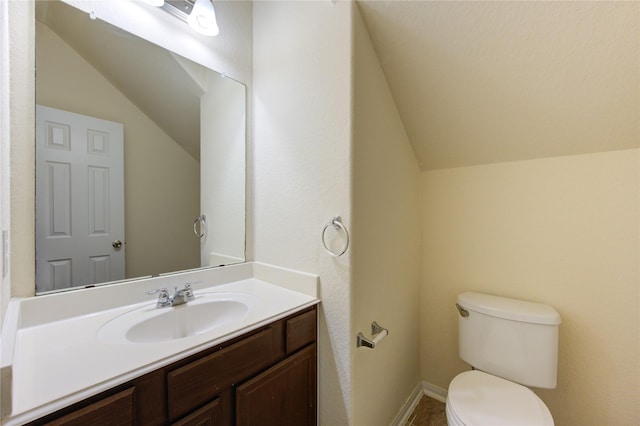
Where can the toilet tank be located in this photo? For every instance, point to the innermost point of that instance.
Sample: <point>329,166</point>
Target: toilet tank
<point>509,338</point>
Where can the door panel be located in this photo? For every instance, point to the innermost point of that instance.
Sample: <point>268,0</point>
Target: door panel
<point>79,199</point>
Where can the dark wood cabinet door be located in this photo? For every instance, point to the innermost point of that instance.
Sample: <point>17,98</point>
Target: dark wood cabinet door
<point>284,395</point>
<point>209,415</point>
<point>116,409</point>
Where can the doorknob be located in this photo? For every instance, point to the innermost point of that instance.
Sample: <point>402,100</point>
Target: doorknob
<point>116,244</point>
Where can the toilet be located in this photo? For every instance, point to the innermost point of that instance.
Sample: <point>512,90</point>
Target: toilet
<point>511,345</point>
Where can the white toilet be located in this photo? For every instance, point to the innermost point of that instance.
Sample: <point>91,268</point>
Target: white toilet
<point>510,344</point>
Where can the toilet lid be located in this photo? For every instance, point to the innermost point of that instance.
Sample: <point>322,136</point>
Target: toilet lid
<point>478,398</point>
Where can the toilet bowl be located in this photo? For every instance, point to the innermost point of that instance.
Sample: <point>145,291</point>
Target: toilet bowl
<point>480,399</point>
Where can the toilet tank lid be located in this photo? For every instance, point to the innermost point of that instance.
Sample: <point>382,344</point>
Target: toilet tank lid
<point>513,309</point>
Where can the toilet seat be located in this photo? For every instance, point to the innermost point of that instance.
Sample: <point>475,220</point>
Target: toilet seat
<point>477,399</point>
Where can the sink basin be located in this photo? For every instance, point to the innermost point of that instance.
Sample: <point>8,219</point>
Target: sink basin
<point>149,324</point>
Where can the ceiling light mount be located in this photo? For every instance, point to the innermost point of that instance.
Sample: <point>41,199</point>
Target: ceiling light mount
<point>199,14</point>
<point>179,8</point>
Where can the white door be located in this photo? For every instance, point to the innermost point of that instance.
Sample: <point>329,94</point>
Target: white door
<point>79,200</point>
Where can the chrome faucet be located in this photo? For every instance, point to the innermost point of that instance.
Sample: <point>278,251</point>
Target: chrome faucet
<point>179,297</point>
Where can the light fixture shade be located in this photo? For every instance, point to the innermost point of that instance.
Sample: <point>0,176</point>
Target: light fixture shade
<point>203,18</point>
<point>158,3</point>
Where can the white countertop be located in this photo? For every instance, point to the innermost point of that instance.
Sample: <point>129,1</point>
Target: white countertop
<point>52,364</point>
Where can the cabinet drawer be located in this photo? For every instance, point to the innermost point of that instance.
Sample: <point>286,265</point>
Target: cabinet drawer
<point>117,409</point>
<point>200,381</point>
<point>301,330</point>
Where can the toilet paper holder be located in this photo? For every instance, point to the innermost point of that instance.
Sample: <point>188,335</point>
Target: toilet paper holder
<point>378,333</point>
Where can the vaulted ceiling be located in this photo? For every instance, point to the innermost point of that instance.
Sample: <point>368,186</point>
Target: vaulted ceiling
<point>479,82</point>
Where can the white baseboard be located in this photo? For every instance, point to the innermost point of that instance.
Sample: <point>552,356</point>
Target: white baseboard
<point>423,388</point>
<point>433,391</point>
<point>408,407</point>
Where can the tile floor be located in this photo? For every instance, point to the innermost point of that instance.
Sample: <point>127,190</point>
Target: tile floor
<point>428,412</point>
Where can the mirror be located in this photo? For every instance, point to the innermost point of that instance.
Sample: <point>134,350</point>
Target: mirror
<point>140,156</point>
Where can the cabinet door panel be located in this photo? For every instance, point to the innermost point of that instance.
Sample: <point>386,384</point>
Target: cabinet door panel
<point>209,415</point>
<point>284,395</point>
<point>117,409</point>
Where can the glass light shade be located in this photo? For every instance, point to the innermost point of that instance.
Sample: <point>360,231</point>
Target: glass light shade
<point>203,18</point>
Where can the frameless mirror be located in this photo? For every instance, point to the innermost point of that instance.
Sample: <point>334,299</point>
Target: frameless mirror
<point>140,156</point>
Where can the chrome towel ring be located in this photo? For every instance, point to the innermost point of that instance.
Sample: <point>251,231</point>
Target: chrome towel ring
<point>200,222</point>
<point>336,223</point>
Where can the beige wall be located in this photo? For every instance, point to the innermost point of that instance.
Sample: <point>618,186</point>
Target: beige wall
<point>385,262</point>
<point>162,182</point>
<point>562,231</point>
<point>301,173</point>
<point>5,125</point>
<point>21,93</point>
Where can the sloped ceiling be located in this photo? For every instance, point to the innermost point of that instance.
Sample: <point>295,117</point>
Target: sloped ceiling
<point>167,88</point>
<point>484,81</point>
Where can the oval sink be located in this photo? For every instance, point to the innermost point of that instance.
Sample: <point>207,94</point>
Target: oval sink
<point>151,325</point>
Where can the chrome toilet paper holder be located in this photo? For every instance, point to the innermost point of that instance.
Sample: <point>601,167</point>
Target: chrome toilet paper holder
<point>378,332</point>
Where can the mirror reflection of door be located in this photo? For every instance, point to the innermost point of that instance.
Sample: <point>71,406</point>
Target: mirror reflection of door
<point>79,200</point>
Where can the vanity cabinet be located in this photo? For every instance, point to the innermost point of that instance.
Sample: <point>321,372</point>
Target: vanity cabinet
<point>265,377</point>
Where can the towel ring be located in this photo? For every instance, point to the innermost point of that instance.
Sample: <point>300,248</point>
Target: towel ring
<point>336,223</point>
<point>200,222</point>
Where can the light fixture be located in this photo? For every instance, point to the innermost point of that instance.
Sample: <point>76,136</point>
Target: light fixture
<point>203,18</point>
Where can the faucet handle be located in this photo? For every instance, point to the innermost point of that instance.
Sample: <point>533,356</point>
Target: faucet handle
<point>163,297</point>
<point>187,293</point>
